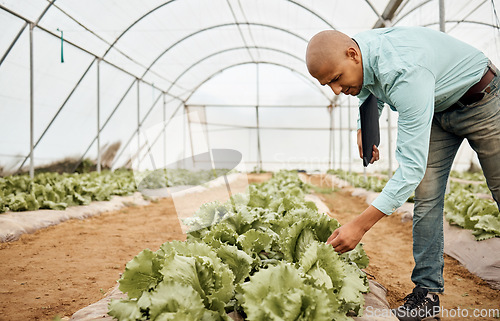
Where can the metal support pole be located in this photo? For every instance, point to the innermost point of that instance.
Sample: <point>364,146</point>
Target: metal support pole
<point>442,18</point>
<point>389,141</point>
<point>32,25</point>
<point>205,130</point>
<point>32,105</point>
<point>104,126</point>
<point>332,138</point>
<point>259,155</point>
<point>350,130</point>
<point>330,145</point>
<point>184,135</point>
<point>138,124</point>
<point>186,108</point>
<point>164,132</point>
<point>99,116</point>
<point>57,114</point>
<point>134,133</point>
<point>340,137</point>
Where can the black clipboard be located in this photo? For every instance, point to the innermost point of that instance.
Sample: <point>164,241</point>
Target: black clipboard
<point>370,131</point>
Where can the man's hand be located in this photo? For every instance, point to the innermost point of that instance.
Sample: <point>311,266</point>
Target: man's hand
<point>346,237</point>
<point>375,153</point>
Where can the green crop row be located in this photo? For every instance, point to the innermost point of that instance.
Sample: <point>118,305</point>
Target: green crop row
<point>371,183</point>
<point>463,207</point>
<point>262,255</point>
<point>58,191</point>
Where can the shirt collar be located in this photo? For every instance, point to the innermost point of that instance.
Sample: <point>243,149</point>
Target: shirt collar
<point>368,77</point>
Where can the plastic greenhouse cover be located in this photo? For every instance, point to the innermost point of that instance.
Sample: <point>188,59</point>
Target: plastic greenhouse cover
<point>192,52</point>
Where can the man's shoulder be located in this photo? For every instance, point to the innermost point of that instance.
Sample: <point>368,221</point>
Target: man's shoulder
<point>408,45</point>
<point>393,30</point>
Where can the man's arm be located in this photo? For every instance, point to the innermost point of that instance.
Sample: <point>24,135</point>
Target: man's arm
<point>346,237</point>
<point>414,95</point>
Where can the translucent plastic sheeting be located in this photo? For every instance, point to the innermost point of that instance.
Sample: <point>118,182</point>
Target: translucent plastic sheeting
<point>242,140</point>
<point>187,52</point>
<point>12,26</point>
<point>122,124</point>
<point>304,149</point>
<point>15,106</point>
<point>74,127</point>
<point>473,22</point>
<point>240,86</point>
<point>232,117</point>
<point>165,139</point>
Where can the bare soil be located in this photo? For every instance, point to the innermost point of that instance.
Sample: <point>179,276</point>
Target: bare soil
<point>61,269</point>
<point>389,247</point>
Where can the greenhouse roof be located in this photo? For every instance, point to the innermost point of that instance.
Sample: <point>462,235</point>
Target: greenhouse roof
<point>171,49</point>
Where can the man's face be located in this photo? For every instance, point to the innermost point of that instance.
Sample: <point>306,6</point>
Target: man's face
<point>343,74</point>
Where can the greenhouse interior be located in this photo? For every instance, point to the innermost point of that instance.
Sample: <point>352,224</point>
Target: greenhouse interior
<point>181,160</point>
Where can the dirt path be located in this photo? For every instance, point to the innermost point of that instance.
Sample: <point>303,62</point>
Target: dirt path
<point>389,246</point>
<point>61,269</point>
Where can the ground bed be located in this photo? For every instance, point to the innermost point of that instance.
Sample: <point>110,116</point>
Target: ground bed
<point>62,269</point>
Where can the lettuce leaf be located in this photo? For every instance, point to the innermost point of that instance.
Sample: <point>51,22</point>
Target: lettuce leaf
<point>253,242</point>
<point>125,310</point>
<point>197,265</point>
<point>357,255</point>
<point>269,262</point>
<point>280,293</point>
<point>355,284</point>
<point>141,274</point>
<point>238,261</point>
<point>322,257</point>
<point>169,301</point>
<point>207,215</point>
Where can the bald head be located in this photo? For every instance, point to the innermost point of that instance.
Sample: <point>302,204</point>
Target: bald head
<point>327,47</point>
<point>334,59</point>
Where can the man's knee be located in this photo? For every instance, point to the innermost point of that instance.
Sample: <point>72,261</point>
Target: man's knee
<point>431,188</point>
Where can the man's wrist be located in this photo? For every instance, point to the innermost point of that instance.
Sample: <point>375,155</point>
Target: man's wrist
<point>368,218</point>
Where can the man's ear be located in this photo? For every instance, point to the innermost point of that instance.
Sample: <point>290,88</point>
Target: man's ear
<point>352,53</point>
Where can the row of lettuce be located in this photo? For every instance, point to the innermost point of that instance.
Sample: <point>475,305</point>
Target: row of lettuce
<point>261,255</point>
<point>58,191</point>
<point>464,208</point>
<point>464,204</point>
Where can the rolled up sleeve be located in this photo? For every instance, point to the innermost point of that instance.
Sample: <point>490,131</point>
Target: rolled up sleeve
<point>412,94</point>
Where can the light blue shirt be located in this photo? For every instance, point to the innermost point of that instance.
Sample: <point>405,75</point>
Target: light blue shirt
<point>416,71</point>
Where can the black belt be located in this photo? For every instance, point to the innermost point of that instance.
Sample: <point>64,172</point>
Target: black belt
<point>476,92</point>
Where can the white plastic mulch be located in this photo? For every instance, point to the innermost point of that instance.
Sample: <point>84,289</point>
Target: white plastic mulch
<point>15,224</point>
<point>479,257</point>
<point>376,305</point>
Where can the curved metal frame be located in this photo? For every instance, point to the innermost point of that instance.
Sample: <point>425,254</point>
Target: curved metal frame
<point>240,64</point>
<point>379,16</point>
<point>446,21</point>
<point>464,21</point>
<point>411,10</point>
<point>238,24</point>
<point>220,26</point>
<point>244,47</point>
<point>171,1</point>
<point>192,92</point>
